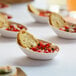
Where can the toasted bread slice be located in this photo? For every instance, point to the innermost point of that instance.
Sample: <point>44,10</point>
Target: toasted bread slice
<point>57,21</point>
<point>26,40</point>
<point>3,21</point>
<point>33,10</point>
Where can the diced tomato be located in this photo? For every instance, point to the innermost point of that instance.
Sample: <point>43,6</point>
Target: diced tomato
<point>48,12</point>
<point>16,30</point>
<point>34,48</point>
<point>40,45</point>
<point>49,50</point>
<point>11,26</point>
<point>47,45</point>
<point>42,14</point>
<point>62,29</point>
<point>66,27</point>
<point>20,26</point>
<point>74,28</point>
<point>39,50</point>
<point>45,51</point>
<point>7,29</point>
<point>9,17</point>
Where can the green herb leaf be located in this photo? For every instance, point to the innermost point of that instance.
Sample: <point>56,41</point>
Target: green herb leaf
<point>72,25</point>
<point>67,30</point>
<point>52,49</point>
<point>39,44</point>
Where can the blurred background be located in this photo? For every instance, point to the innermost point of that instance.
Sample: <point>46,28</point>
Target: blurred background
<point>63,7</point>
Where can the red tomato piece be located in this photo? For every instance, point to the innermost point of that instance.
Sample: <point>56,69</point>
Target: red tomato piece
<point>74,28</point>
<point>39,50</point>
<point>16,30</point>
<point>47,45</point>
<point>46,51</point>
<point>40,44</point>
<point>42,14</point>
<point>21,26</point>
<point>9,17</point>
<point>47,12</point>
<point>34,48</point>
<point>66,27</point>
<point>49,50</point>
<point>62,29</point>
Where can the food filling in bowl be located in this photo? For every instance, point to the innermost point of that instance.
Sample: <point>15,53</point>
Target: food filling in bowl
<point>44,47</point>
<point>15,27</point>
<point>44,13</point>
<point>71,28</point>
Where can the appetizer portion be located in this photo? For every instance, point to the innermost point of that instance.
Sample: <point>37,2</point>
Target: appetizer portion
<point>8,71</point>
<point>58,22</point>
<point>39,12</point>
<point>5,24</point>
<point>27,40</point>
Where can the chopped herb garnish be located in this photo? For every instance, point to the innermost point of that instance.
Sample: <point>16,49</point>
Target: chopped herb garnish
<point>52,49</point>
<point>41,48</point>
<point>39,44</point>
<point>67,30</point>
<point>72,25</point>
<point>45,48</point>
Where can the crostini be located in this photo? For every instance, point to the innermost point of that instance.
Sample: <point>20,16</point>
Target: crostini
<point>26,40</point>
<point>3,21</point>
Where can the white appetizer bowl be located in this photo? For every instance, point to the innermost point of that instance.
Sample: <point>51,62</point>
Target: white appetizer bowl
<point>63,34</point>
<point>37,55</point>
<point>39,19</point>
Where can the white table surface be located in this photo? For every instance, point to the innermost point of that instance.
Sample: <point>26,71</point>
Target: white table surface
<point>64,64</point>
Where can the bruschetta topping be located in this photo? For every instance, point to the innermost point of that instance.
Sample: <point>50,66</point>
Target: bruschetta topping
<point>71,29</point>
<point>15,27</point>
<point>43,47</point>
